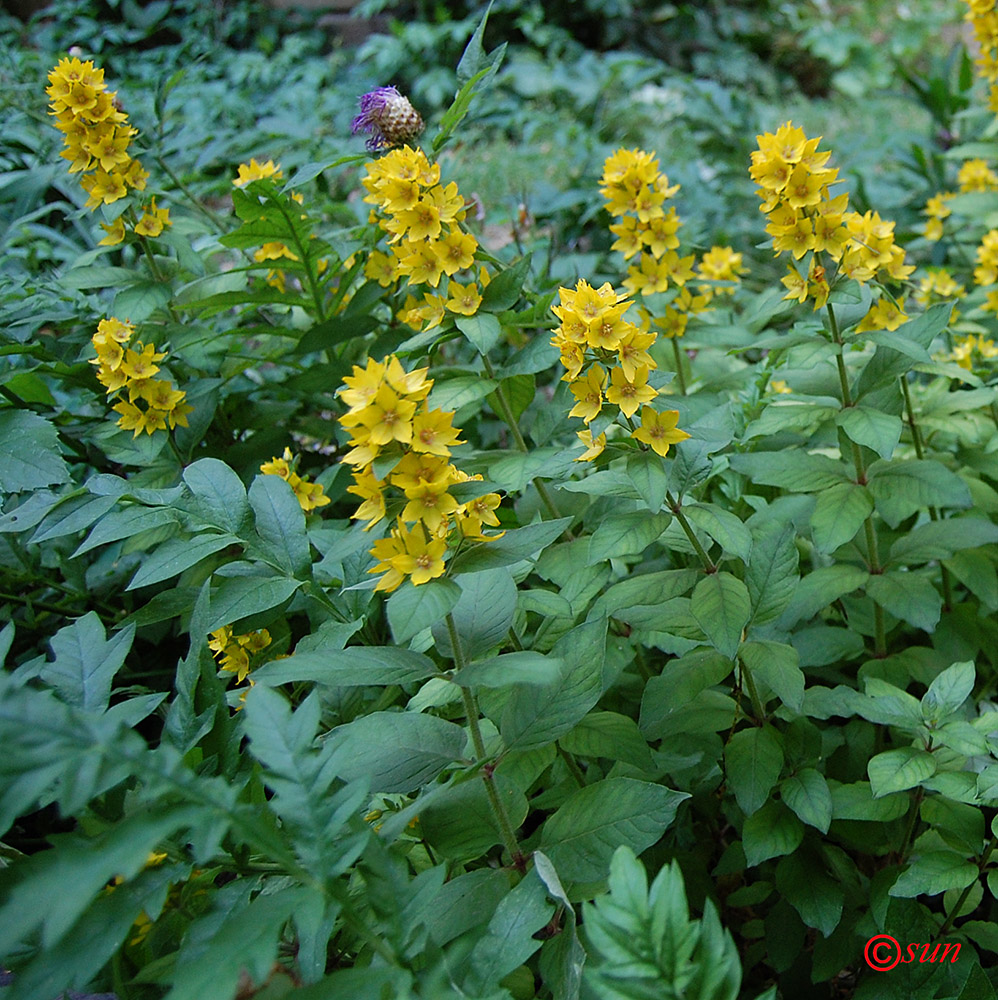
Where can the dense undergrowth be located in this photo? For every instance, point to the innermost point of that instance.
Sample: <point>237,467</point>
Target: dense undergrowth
<point>503,563</point>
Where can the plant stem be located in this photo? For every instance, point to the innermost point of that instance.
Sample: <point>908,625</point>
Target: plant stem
<point>757,705</point>
<point>910,829</point>
<point>573,767</point>
<point>680,376</point>
<point>981,864</point>
<point>677,511</point>
<point>472,713</point>
<point>872,552</point>
<point>521,445</point>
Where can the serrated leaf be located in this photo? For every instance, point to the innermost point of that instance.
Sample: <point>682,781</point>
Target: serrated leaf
<point>896,770</point>
<point>29,452</point>
<point>721,605</point>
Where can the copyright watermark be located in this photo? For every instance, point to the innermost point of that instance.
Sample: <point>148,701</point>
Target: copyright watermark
<point>883,952</point>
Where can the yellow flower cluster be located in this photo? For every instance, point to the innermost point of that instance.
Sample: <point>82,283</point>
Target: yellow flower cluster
<point>794,182</point>
<point>937,210</point>
<point>593,333</point>
<point>235,652</point>
<point>970,351</point>
<point>121,367</point>
<point>96,136</point>
<point>984,20</point>
<point>310,495</point>
<point>986,272</point>
<point>388,416</point>
<point>938,285</point>
<point>422,218</point>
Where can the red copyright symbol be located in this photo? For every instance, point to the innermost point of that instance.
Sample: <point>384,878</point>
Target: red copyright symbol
<point>875,950</point>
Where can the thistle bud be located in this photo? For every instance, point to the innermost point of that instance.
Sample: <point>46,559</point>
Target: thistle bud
<point>389,117</point>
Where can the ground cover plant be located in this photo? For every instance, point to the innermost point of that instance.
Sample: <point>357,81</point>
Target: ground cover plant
<point>604,611</point>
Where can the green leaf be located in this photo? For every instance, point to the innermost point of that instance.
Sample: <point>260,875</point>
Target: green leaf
<point>753,760</point>
<point>811,892</point>
<point>896,770</point>
<point>771,573</point>
<point>411,608</point>
<point>610,735</point>
<point>646,473</point>
<point>505,288</point>
<point>219,495</point>
<point>515,545</point>
<point>482,615</point>
<point>526,667</point>
<point>74,514</point>
<point>934,872</point>
<point>856,802</point>
<point>177,554</point>
<point>594,821</point>
<point>778,667</point>
<point>796,471</point>
<point>838,515</point>
<point>819,589</point>
<point>667,694</point>
<point>29,452</point>
<point>280,523</point>
<point>908,596</point>
<point>520,391</point>
<point>509,938</point>
<point>771,832</point>
<point>949,690</point>
<point>901,489</point>
<point>625,534</point>
<point>126,522</point>
<point>690,466</point>
<point>482,331</point>
<point>86,662</point>
<point>460,390</point>
<point>535,717</point>
<point>941,539</point>
<point>398,751</point>
<point>722,607</point>
<point>239,598</point>
<point>724,527</point>
<point>807,794</point>
<point>355,666</point>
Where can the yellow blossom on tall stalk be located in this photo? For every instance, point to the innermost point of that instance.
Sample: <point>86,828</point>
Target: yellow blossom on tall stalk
<point>805,218</point>
<point>121,367</point>
<point>236,653</point>
<point>423,220</point>
<point>309,495</point>
<point>96,137</point>
<point>390,422</point>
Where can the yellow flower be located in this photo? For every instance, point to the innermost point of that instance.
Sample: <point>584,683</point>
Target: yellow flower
<point>432,432</point>
<point>659,430</point>
<point>464,299</point>
<point>153,221</point>
<point>589,393</point>
<point>254,171</point>
<point>594,448</point>
<point>310,495</point>
<point>779,386</point>
<point>278,466</point>
<point>115,233</point>
<point>629,395</point>
<point>885,314</point>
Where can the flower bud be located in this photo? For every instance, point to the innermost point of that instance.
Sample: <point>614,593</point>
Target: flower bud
<point>389,117</point>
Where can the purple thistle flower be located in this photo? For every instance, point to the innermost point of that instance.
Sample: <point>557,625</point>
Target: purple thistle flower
<point>389,117</point>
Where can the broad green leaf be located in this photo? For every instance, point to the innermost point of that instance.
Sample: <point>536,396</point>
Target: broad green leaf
<point>565,957</point>
<point>949,690</point>
<point>536,716</point>
<point>240,597</point>
<point>771,832</point>
<point>509,939</point>
<point>610,735</point>
<point>796,471</point>
<point>819,589</point>
<point>398,751</point>
<point>280,523</point>
<point>646,473</point>
<point>668,693</point>
<point>724,527</point>
<point>778,667</point>
<point>625,534</point>
<point>75,514</point>
<point>838,515</point>
<point>869,427</point>
<point>912,597</point>
<point>934,872</point>
<point>355,666</point>
<point>515,545</point>
<point>29,513</point>
<point>177,554</point>
<point>977,573</point>
<point>466,901</point>
<point>506,287</point>
<point>219,495</point>
<point>896,770</point>
<point>811,891</point>
<point>482,330</point>
<point>807,794</point>
<point>856,802</point>
<point>126,523</point>
<point>941,539</point>
<point>771,573</point>
<point>453,393</point>
<point>690,466</point>
<point>520,391</point>
<point>645,589</point>
<point>482,614</point>
<point>901,489</point>
<point>29,452</point>
<point>722,607</point>
<point>526,667</point>
<point>790,417</point>
<point>594,821</point>
<point>753,760</point>
<point>86,661</point>
<point>411,608</point>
